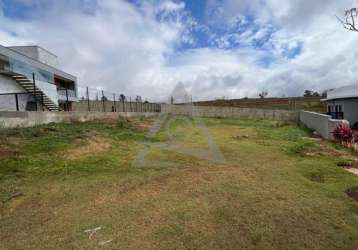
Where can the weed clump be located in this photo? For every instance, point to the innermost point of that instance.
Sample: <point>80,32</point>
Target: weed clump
<point>300,147</point>
<point>316,177</point>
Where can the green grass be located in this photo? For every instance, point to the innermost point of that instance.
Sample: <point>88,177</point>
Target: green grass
<point>268,194</point>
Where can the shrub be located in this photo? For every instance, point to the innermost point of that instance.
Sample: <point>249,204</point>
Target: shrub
<point>343,133</point>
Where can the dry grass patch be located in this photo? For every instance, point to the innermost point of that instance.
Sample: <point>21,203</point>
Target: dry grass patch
<point>87,147</point>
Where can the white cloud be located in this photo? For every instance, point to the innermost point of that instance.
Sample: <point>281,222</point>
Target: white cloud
<point>132,50</point>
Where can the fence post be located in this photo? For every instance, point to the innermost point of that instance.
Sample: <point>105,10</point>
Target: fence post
<point>114,103</point>
<point>103,104</point>
<point>34,86</point>
<point>17,102</point>
<point>88,100</point>
<point>130,104</point>
<point>42,101</point>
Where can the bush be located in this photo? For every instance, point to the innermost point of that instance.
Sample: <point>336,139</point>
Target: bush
<point>343,133</point>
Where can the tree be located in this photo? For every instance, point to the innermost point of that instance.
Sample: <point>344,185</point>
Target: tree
<point>122,98</point>
<point>263,94</point>
<point>138,98</point>
<point>324,94</point>
<point>350,19</point>
<point>311,93</point>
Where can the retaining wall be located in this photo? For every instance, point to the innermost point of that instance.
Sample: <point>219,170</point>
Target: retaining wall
<point>9,119</point>
<point>231,112</point>
<point>109,106</point>
<point>324,125</point>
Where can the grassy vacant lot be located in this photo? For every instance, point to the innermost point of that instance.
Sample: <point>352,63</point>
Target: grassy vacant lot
<point>277,189</point>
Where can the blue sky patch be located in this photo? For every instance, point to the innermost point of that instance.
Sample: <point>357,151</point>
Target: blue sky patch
<point>202,31</point>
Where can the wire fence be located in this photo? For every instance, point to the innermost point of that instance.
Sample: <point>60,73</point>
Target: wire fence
<point>94,99</point>
<point>82,99</point>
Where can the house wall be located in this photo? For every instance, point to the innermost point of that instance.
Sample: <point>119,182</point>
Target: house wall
<point>9,85</point>
<point>8,102</point>
<point>349,107</point>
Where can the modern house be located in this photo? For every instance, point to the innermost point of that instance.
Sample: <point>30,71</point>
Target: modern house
<point>342,103</point>
<point>30,80</point>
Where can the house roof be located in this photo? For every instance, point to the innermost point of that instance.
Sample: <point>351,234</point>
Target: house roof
<point>346,92</point>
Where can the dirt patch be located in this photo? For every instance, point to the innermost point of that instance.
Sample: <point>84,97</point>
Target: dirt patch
<point>87,147</point>
<point>240,137</point>
<point>322,151</point>
<point>353,193</point>
<point>350,166</point>
<point>353,170</point>
<point>141,125</point>
<point>316,177</point>
<point>6,152</point>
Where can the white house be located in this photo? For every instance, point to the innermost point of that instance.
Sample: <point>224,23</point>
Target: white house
<point>342,103</point>
<point>30,79</point>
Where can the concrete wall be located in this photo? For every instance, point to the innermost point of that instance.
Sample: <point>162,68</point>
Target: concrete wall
<point>245,113</point>
<point>29,119</point>
<point>324,125</point>
<point>119,106</point>
<point>349,108</point>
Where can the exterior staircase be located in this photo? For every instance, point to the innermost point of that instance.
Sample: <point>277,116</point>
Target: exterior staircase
<point>39,95</point>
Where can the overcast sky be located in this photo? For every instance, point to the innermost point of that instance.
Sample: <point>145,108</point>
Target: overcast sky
<point>216,48</point>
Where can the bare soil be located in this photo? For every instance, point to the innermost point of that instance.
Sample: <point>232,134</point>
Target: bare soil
<point>353,193</point>
<point>6,152</point>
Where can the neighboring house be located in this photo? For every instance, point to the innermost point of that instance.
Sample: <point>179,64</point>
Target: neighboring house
<point>30,80</point>
<point>342,103</point>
